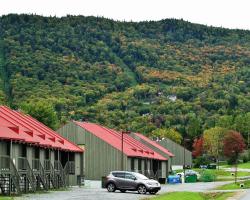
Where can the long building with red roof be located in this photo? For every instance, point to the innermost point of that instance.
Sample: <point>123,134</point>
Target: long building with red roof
<point>169,149</point>
<point>108,150</point>
<point>33,148</point>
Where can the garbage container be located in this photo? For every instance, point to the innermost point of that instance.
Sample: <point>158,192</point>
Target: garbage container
<point>190,178</point>
<point>173,179</point>
<point>162,180</point>
<point>103,181</point>
<point>80,180</point>
<point>212,166</point>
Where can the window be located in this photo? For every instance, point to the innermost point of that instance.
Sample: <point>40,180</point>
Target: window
<point>23,151</point>
<point>47,154</point>
<point>145,165</point>
<point>139,164</point>
<point>159,165</point>
<point>56,155</point>
<point>129,176</point>
<point>71,156</point>
<point>118,174</point>
<point>37,153</point>
<point>8,149</point>
<point>132,164</point>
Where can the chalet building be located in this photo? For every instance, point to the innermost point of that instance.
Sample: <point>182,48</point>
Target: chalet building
<point>34,157</point>
<point>169,149</point>
<point>156,147</point>
<point>179,159</point>
<point>104,151</point>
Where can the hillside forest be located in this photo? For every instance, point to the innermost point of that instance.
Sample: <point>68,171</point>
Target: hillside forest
<point>153,77</point>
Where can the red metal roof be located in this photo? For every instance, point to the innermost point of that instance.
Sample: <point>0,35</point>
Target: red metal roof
<point>166,151</point>
<point>18,126</point>
<point>131,146</point>
<point>9,134</point>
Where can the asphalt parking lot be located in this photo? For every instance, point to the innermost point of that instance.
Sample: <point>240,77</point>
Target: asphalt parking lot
<point>93,191</point>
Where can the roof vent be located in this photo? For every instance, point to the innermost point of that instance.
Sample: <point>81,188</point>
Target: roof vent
<point>29,132</point>
<point>61,141</point>
<point>134,149</point>
<point>53,139</point>
<point>42,136</point>
<point>15,129</point>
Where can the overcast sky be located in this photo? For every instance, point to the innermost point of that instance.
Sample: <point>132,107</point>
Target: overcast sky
<point>225,13</point>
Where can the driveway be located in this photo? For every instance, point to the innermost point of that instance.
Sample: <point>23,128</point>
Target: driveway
<point>246,195</point>
<point>93,191</point>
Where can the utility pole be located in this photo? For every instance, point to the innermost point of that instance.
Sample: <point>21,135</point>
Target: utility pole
<point>122,156</point>
<point>248,142</point>
<point>184,155</point>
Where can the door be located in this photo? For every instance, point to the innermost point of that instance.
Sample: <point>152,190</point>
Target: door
<point>155,166</point>
<point>120,180</point>
<point>64,157</point>
<point>130,181</point>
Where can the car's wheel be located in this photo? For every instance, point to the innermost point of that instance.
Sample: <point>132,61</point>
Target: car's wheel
<point>111,187</point>
<point>123,191</point>
<point>142,189</point>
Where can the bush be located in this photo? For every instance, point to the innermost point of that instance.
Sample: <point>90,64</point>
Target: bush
<point>231,161</point>
<point>245,159</point>
<point>201,160</point>
<point>207,176</point>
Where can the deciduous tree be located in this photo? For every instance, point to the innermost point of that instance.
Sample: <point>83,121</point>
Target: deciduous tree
<point>172,134</point>
<point>43,111</point>
<point>233,144</point>
<point>198,147</point>
<point>213,143</point>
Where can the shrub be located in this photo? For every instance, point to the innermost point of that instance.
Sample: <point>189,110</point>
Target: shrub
<point>231,161</point>
<point>201,160</point>
<point>207,176</point>
<point>245,159</point>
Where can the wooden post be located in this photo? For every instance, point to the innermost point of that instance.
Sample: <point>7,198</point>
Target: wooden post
<point>184,157</point>
<point>235,173</point>
<point>122,167</point>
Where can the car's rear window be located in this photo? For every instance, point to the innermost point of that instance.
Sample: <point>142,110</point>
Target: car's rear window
<point>118,174</point>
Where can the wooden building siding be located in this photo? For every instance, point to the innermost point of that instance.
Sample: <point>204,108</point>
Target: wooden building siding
<point>100,157</point>
<point>166,163</point>
<point>17,151</point>
<point>178,151</point>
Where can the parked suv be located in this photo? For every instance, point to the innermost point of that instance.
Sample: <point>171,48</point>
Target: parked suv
<point>123,181</point>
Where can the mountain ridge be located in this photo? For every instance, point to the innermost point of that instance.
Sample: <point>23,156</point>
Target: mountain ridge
<point>122,74</point>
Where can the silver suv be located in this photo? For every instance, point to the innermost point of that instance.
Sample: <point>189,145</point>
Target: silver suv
<point>123,181</point>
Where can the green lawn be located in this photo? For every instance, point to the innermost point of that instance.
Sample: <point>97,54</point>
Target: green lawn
<point>241,165</point>
<point>6,198</point>
<point>220,175</point>
<point>222,172</point>
<point>193,196</point>
<point>233,186</point>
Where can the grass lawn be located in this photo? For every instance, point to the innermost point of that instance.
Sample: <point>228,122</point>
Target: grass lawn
<point>193,196</point>
<point>6,198</point>
<point>222,172</point>
<point>241,165</point>
<point>233,186</point>
<point>219,172</point>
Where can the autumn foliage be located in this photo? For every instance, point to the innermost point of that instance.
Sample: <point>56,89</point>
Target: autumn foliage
<point>198,147</point>
<point>233,144</point>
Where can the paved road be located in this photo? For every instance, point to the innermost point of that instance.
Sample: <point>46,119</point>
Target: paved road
<point>246,195</point>
<point>92,191</point>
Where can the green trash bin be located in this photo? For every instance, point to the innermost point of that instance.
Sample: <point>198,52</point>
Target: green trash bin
<point>211,166</point>
<point>190,178</point>
<point>104,178</point>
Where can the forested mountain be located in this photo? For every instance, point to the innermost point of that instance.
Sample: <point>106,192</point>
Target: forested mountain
<point>138,76</point>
